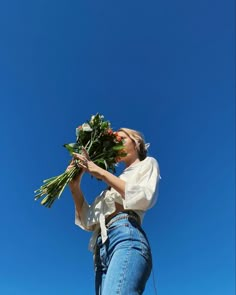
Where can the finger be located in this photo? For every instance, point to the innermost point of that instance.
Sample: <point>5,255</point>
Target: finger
<point>85,153</point>
<point>78,156</point>
<point>82,165</point>
<point>75,155</point>
<point>69,167</point>
<point>81,158</point>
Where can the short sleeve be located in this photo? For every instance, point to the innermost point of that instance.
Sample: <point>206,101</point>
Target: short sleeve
<point>141,189</point>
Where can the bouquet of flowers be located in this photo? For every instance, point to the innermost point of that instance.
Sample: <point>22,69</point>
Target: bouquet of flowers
<point>103,146</point>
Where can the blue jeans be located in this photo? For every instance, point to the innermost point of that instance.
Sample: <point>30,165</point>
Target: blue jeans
<point>124,262</point>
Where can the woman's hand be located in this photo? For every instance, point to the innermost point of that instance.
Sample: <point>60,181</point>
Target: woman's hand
<point>75,182</point>
<point>87,165</point>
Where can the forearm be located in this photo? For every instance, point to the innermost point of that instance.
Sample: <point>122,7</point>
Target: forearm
<point>115,182</point>
<point>78,199</point>
<point>100,173</point>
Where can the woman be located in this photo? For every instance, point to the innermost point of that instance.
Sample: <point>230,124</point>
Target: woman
<point>122,254</point>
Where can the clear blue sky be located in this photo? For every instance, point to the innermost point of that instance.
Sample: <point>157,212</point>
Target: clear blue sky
<point>164,68</point>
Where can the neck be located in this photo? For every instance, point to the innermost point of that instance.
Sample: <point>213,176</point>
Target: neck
<point>130,162</point>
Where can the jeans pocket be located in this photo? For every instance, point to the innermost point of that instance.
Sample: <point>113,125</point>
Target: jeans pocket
<point>119,236</point>
<point>117,225</point>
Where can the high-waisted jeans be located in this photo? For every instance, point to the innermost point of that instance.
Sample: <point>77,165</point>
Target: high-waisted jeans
<point>123,263</point>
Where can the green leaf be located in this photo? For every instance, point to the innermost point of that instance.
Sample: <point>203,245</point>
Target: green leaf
<point>118,147</point>
<point>122,154</point>
<point>72,147</point>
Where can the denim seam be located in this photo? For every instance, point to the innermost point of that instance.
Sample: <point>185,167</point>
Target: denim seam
<point>125,265</point>
<point>146,251</point>
<point>124,268</point>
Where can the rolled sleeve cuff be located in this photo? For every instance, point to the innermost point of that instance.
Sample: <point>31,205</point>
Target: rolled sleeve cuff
<point>138,198</point>
<point>81,219</point>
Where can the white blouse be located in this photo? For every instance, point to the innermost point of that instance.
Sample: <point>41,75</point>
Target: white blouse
<point>141,190</point>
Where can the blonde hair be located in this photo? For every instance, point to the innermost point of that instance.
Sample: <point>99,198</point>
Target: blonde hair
<point>138,140</point>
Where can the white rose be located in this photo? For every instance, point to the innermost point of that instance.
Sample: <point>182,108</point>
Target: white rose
<point>86,127</point>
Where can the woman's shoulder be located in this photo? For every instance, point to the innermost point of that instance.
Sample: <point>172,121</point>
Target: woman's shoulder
<point>144,165</point>
<point>150,161</point>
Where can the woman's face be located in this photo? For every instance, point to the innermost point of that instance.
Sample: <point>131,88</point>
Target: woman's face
<point>129,145</point>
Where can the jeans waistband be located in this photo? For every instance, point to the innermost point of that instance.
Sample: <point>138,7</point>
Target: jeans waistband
<point>128,214</point>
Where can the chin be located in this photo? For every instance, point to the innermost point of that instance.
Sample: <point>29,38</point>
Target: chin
<point>119,160</point>
<point>122,159</point>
